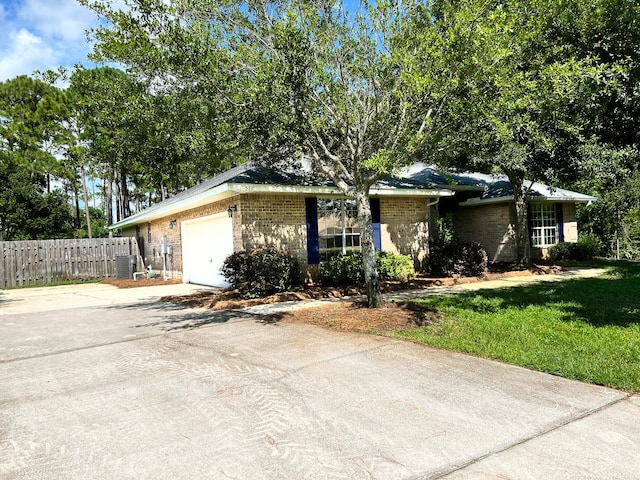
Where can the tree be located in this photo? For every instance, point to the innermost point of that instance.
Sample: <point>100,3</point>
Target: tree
<point>531,105</point>
<point>32,114</point>
<point>292,78</point>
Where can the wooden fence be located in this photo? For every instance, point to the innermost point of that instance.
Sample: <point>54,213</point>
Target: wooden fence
<point>36,262</point>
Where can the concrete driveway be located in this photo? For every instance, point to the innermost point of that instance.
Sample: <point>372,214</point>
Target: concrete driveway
<point>100,383</point>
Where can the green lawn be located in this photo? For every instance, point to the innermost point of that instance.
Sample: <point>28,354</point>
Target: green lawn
<point>585,329</point>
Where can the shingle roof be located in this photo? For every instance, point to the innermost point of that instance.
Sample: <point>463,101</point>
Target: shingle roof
<point>251,174</point>
<point>491,187</point>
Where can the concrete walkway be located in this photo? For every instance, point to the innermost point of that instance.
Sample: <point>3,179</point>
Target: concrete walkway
<point>507,282</point>
<point>111,384</point>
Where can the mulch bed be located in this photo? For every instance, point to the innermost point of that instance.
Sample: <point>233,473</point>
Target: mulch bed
<point>229,299</point>
<point>346,315</point>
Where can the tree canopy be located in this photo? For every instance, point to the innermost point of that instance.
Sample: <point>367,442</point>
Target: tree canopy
<point>287,79</point>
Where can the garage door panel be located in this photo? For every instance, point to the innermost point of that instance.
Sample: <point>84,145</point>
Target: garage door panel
<point>206,242</point>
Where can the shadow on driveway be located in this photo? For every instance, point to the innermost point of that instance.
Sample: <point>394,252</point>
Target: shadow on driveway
<point>171,317</point>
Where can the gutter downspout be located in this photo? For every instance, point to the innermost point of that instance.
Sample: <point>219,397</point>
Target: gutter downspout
<point>429,238</point>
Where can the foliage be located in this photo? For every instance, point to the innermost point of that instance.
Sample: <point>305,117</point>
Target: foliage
<point>451,257</point>
<point>395,266</point>
<point>347,269</point>
<point>544,72</point>
<point>99,227</point>
<point>339,85</point>
<point>612,175</point>
<point>584,329</point>
<point>261,271</point>
<point>31,116</point>
<point>457,259</point>
<point>342,269</point>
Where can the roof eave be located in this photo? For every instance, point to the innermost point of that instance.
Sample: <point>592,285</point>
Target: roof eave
<point>227,190</point>
<point>472,202</point>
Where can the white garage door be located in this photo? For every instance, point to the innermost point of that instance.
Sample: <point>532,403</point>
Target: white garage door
<point>206,242</point>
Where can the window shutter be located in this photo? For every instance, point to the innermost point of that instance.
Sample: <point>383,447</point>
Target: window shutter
<point>559,222</point>
<point>313,242</point>
<point>375,219</point>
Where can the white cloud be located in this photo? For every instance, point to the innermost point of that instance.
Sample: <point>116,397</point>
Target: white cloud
<point>63,20</point>
<point>23,54</point>
<point>42,34</point>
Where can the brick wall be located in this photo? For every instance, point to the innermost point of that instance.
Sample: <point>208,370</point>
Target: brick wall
<point>404,226</point>
<point>280,220</point>
<point>493,226</point>
<point>274,220</point>
<point>153,232</point>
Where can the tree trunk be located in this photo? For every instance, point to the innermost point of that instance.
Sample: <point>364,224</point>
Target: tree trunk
<point>124,189</point>
<point>523,244</point>
<point>108,198</point>
<point>86,201</point>
<point>371,278</point>
<point>76,201</point>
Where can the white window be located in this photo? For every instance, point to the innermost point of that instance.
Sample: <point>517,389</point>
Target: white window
<point>338,229</point>
<point>543,224</point>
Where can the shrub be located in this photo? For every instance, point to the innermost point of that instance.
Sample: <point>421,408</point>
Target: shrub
<point>347,269</point>
<point>561,251</point>
<point>394,266</point>
<point>343,269</point>
<point>591,245</point>
<point>588,246</point>
<point>261,271</point>
<point>457,258</point>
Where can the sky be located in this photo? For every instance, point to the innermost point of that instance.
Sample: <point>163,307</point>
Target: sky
<point>42,34</point>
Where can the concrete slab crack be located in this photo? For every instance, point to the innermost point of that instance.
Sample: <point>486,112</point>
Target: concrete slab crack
<point>443,473</point>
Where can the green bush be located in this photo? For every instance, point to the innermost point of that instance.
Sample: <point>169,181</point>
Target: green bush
<point>343,269</point>
<point>394,266</point>
<point>588,246</point>
<point>261,271</point>
<point>347,269</point>
<point>457,258</point>
<point>591,245</point>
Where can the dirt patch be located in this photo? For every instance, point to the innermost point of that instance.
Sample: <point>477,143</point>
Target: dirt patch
<point>142,282</point>
<point>356,317</point>
<point>230,299</point>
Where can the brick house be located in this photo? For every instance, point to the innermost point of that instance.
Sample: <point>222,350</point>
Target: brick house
<point>484,211</point>
<point>191,233</point>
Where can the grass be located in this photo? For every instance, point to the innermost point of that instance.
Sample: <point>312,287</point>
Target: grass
<point>584,329</point>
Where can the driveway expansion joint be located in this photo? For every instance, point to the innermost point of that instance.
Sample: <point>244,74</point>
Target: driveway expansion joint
<point>546,431</point>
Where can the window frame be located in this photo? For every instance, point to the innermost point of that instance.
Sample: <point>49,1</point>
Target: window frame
<point>543,224</point>
<point>343,238</point>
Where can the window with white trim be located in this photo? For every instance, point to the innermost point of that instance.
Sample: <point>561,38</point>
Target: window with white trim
<point>543,224</point>
<point>338,229</point>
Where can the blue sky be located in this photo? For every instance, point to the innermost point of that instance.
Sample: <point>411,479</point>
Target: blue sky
<point>41,35</point>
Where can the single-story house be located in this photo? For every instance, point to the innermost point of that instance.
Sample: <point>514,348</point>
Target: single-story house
<point>484,210</point>
<point>191,233</point>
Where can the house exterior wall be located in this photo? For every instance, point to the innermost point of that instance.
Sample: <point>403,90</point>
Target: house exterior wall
<point>570,222</point>
<point>152,233</point>
<point>493,226</point>
<point>273,220</point>
<point>404,227</point>
<point>280,220</point>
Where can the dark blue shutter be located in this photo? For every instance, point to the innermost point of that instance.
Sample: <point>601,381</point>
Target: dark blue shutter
<point>375,219</point>
<point>313,242</point>
<point>559,222</point>
<point>529,223</point>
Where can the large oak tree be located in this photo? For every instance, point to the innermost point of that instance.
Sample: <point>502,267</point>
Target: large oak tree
<point>291,78</point>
